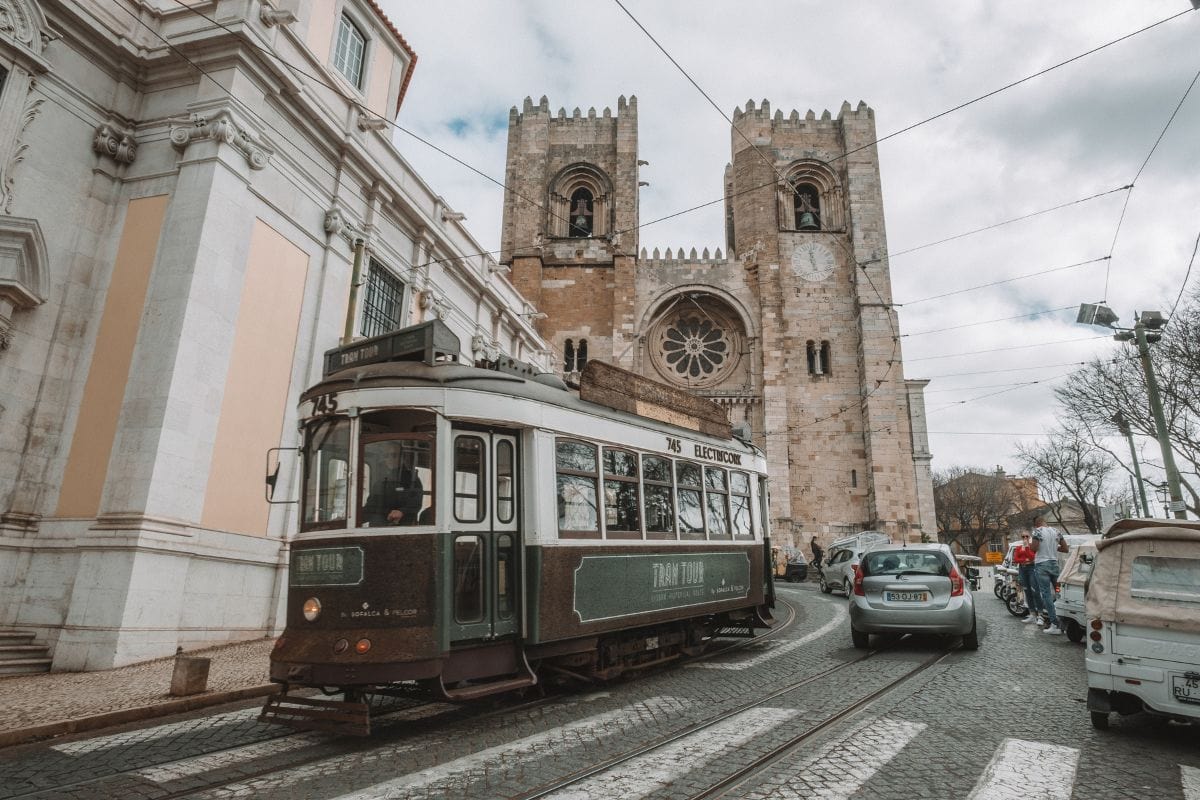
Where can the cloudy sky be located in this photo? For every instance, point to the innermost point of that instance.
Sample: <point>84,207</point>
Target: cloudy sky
<point>1078,131</point>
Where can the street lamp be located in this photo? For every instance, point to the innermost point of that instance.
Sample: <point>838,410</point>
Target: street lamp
<point>1102,316</point>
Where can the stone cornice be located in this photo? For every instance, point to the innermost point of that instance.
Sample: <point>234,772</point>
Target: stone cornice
<point>222,126</point>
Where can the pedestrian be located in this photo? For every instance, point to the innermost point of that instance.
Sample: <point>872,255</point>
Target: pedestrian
<point>1046,545</point>
<point>1022,557</point>
<point>817,552</point>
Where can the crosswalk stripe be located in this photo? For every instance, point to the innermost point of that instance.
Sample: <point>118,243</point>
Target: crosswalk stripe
<point>839,616</point>
<point>557,740</point>
<point>660,768</point>
<point>1190,777</point>
<point>1028,769</point>
<point>841,768</point>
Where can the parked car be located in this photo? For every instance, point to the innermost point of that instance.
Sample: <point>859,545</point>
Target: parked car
<point>1072,581</point>
<point>837,573</point>
<point>916,588</point>
<point>1143,605</point>
<point>789,563</point>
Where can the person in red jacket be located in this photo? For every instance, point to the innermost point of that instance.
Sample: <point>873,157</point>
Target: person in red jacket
<point>1023,558</point>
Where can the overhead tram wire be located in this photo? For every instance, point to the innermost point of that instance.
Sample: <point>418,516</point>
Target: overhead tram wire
<point>702,205</point>
<point>989,322</point>
<point>1186,277</point>
<point>1133,183</point>
<point>1002,281</point>
<point>1014,347</point>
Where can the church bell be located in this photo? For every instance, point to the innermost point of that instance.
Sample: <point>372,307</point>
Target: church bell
<point>808,222</point>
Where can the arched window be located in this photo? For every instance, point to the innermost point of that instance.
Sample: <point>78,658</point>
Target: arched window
<point>813,356</point>
<point>853,479</point>
<point>581,214</point>
<point>569,356</point>
<point>581,355</point>
<point>826,359</point>
<point>810,198</point>
<point>807,200</point>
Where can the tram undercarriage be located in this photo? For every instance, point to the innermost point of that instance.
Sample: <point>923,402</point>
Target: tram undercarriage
<point>475,673</point>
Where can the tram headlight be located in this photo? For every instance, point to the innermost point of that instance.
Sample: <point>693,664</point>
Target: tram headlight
<point>312,609</point>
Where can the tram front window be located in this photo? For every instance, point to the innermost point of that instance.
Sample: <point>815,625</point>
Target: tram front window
<point>396,479</point>
<point>326,472</point>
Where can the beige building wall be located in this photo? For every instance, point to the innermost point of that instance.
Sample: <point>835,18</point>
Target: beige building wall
<point>257,385</point>
<point>103,393</point>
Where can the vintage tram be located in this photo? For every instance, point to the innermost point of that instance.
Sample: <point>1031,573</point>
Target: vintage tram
<point>471,530</point>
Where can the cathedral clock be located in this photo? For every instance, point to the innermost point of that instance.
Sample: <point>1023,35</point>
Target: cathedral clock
<point>812,261</point>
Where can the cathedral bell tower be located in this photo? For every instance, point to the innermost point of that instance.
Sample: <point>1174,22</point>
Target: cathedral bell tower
<point>570,222</point>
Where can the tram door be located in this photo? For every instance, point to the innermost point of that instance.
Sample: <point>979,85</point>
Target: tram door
<point>486,544</point>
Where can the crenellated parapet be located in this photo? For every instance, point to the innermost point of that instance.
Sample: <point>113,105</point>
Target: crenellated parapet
<point>809,121</point>
<point>541,111</point>
<point>657,258</point>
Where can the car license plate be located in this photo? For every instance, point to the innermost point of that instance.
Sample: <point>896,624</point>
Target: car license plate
<point>920,597</point>
<point>1186,688</point>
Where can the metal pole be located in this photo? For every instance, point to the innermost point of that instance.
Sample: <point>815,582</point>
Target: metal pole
<point>1133,493</point>
<point>1160,422</point>
<point>355,281</point>
<point>1123,427</point>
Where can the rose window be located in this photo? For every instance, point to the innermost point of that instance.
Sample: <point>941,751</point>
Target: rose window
<point>695,347</point>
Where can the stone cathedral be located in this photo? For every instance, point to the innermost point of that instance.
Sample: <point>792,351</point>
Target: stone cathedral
<point>791,329</point>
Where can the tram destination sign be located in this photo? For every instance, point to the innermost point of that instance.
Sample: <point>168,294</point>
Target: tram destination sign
<point>618,586</point>
<point>429,342</point>
<point>326,566</point>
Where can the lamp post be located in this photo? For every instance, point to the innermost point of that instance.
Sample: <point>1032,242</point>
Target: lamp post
<point>1123,426</point>
<point>1153,321</point>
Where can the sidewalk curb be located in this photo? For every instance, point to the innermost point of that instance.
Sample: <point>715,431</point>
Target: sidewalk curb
<point>111,718</point>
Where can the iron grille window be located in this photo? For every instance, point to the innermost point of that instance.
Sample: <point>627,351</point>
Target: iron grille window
<point>348,53</point>
<point>382,302</point>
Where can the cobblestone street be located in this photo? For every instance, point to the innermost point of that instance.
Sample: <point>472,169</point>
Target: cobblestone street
<point>1008,720</point>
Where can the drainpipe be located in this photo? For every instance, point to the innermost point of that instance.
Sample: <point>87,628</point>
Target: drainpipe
<point>355,282</point>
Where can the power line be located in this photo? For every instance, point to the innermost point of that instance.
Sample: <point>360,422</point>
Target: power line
<point>1000,349</point>
<point>1133,183</point>
<point>1010,221</point>
<point>1011,388</point>
<point>1183,286</point>
<point>1011,369</point>
<point>1004,280</point>
<point>989,322</point>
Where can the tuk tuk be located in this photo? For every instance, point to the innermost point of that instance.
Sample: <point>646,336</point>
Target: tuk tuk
<point>1072,582</point>
<point>1143,607</point>
<point>788,563</point>
<point>969,565</point>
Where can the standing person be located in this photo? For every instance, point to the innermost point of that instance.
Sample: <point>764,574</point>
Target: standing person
<point>1023,560</point>
<point>817,552</point>
<point>1046,544</point>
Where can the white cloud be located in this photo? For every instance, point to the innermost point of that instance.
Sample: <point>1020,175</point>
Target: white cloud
<point>1082,129</point>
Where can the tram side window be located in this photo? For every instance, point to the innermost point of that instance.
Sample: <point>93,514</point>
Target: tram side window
<point>622,519</point>
<point>764,507</point>
<point>689,478</point>
<point>576,463</point>
<point>716,483</point>
<point>739,505</point>
<point>657,498</point>
<point>469,479</point>
<point>504,481</point>
<point>506,581</point>
<point>326,472</point>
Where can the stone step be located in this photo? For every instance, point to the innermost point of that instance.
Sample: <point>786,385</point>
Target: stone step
<point>15,637</point>
<point>24,666</point>
<point>8,652</point>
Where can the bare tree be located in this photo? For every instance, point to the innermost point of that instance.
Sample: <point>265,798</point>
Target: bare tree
<point>1068,465</point>
<point>972,506</point>
<point>1094,394</point>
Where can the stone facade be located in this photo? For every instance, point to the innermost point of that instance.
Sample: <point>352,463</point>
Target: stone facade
<point>182,189</point>
<point>792,330</point>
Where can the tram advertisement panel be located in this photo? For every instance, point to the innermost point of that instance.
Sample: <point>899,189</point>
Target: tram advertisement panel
<point>618,586</point>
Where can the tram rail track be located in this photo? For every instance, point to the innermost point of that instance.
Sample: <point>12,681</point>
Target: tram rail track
<point>346,745</point>
<point>763,762</point>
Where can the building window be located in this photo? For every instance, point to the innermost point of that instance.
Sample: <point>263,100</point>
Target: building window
<point>383,301</point>
<point>581,355</point>
<point>810,199</point>
<point>826,359</point>
<point>569,356</point>
<point>818,356</point>
<point>853,479</point>
<point>581,214</point>
<point>349,51</point>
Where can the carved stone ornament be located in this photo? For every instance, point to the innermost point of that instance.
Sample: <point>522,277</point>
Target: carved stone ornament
<point>24,271</point>
<point>334,221</point>
<point>368,121</point>
<point>117,144</point>
<point>220,126</point>
<point>271,16</point>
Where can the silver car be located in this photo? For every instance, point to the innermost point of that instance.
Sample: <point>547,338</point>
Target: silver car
<point>916,588</point>
<point>837,573</point>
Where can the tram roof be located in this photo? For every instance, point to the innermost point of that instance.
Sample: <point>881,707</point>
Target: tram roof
<point>545,388</point>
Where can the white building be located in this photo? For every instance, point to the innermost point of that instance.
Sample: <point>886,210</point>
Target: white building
<point>181,188</point>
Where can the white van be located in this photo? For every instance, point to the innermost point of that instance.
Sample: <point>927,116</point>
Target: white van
<point>838,570</point>
<point>1143,607</point>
